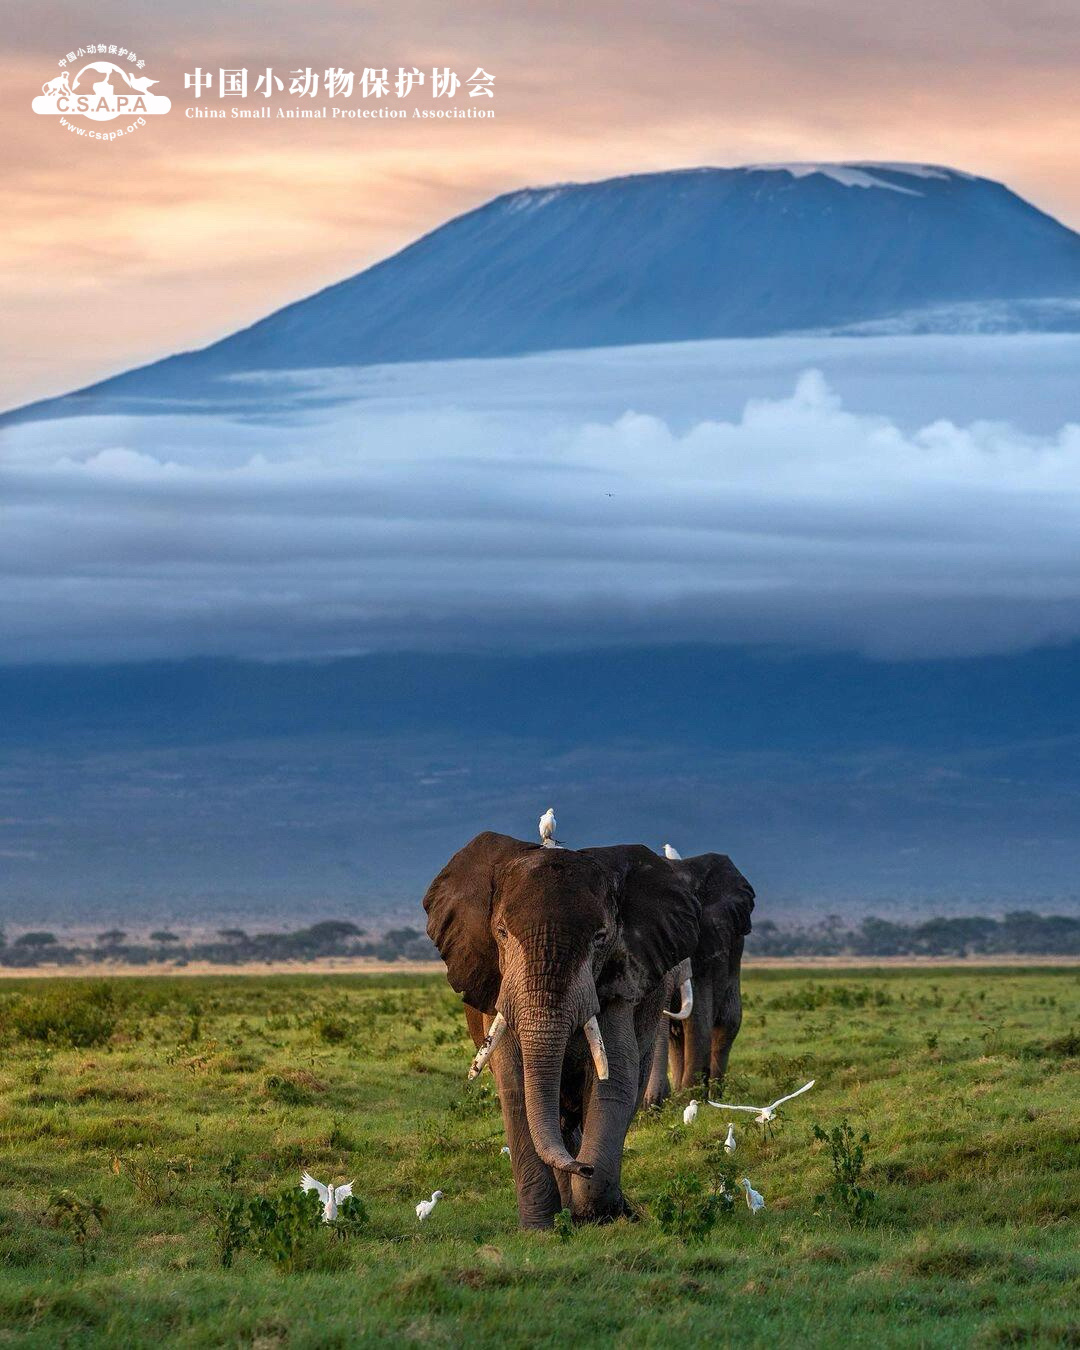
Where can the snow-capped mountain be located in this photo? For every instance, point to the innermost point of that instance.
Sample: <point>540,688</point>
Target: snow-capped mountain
<point>667,257</point>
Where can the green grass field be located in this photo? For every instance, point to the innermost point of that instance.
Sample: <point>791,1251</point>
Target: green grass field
<point>181,1094</point>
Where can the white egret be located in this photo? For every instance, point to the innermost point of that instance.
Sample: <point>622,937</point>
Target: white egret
<point>547,828</point>
<point>754,1199</point>
<point>690,1114</point>
<point>764,1114</point>
<point>672,854</point>
<point>331,1196</point>
<point>424,1208</point>
<point>729,1142</point>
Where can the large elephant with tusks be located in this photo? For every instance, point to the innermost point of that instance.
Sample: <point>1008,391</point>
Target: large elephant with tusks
<point>564,959</point>
<point>697,1046</point>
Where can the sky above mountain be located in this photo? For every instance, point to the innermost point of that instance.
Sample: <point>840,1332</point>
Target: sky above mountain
<point>902,497</point>
<point>191,229</point>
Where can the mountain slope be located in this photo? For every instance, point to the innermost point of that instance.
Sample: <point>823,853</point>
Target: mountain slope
<point>667,257</point>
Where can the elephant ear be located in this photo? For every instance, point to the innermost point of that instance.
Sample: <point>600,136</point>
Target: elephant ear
<point>658,913</point>
<point>727,899</point>
<point>458,904</point>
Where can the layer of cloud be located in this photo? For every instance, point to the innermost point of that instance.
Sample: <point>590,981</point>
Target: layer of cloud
<point>409,520</point>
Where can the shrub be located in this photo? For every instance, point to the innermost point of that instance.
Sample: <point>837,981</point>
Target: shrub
<point>280,1226</point>
<point>847,1159</point>
<point>688,1209</point>
<point>35,939</point>
<point>77,1017</point>
<point>230,1227</point>
<point>352,1217</point>
<point>83,1219</point>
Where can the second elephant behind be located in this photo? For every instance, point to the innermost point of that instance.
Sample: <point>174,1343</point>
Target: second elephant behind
<point>697,1049</point>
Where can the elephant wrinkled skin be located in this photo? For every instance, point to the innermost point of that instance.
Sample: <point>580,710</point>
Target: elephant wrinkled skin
<point>698,1048</point>
<point>549,938</point>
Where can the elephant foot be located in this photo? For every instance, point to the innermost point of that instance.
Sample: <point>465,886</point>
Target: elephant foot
<point>606,1209</point>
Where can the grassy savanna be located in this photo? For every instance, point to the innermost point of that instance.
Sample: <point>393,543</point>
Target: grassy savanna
<point>134,1113</point>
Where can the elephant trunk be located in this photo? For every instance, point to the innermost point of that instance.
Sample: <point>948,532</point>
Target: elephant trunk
<point>543,1020</point>
<point>542,1052</point>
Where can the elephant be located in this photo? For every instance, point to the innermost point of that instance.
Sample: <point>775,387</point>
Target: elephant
<point>698,1046</point>
<point>564,959</point>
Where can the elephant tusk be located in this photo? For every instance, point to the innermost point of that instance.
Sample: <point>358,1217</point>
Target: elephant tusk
<point>686,1002</point>
<point>596,1047</point>
<point>487,1045</point>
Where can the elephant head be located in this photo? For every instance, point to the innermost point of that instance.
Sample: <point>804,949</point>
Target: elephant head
<point>555,942</point>
<point>703,1042</point>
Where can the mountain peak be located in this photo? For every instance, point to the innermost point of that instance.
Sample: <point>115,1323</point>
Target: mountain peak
<point>688,254</point>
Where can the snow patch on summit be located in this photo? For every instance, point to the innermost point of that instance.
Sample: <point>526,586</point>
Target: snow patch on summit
<point>851,175</point>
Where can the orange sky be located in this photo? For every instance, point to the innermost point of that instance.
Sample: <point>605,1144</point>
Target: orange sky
<point>114,254</point>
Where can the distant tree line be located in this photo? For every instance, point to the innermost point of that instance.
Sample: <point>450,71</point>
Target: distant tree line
<point>1019,933</point>
<point>228,947</point>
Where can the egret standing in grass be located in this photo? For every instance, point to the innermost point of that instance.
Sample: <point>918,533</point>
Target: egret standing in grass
<point>729,1142</point>
<point>690,1114</point>
<point>547,828</point>
<point>754,1199</point>
<point>424,1208</point>
<point>672,854</point>
<point>331,1196</point>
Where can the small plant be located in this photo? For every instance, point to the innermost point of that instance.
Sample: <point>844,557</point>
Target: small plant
<point>688,1209</point>
<point>352,1217</point>
<point>229,1171</point>
<point>83,1219</point>
<point>230,1227</point>
<point>932,1041</point>
<point>564,1225</point>
<point>279,1226</point>
<point>156,1180</point>
<point>846,1153</point>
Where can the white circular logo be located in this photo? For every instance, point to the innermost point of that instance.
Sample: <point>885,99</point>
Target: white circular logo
<point>101,83</point>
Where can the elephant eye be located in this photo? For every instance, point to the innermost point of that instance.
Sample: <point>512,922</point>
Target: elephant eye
<point>600,938</point>
<point>501,931</point>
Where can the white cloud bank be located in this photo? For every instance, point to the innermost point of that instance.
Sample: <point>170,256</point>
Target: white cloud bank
<point>444,506</point>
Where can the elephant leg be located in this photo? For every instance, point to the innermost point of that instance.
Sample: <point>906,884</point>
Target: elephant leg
<point>538,1196</point>
<point>726,1027</point>
<point>697,1039</point>
<point>609,1108</point>
<point>658,1089</point>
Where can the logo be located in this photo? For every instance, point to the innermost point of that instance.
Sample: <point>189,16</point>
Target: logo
<point>107,87</point>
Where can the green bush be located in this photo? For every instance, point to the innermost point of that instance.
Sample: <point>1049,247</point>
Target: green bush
<point>280,1226</point>
<point>230,1227</point>
<point>847,1159</point>
<point>78,1017</point>
<point>688,1209</point>
<point>352,1217</point>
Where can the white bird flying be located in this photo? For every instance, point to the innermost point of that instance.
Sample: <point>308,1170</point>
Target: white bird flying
<point>672,854</point>
<point>690,1114</point>
<point>331,1196</point>
<point>754,1199</point>
<point>763,1114</point>
<point>547,828</point>
<point>729,1142</point>
<point>424,1208</point>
